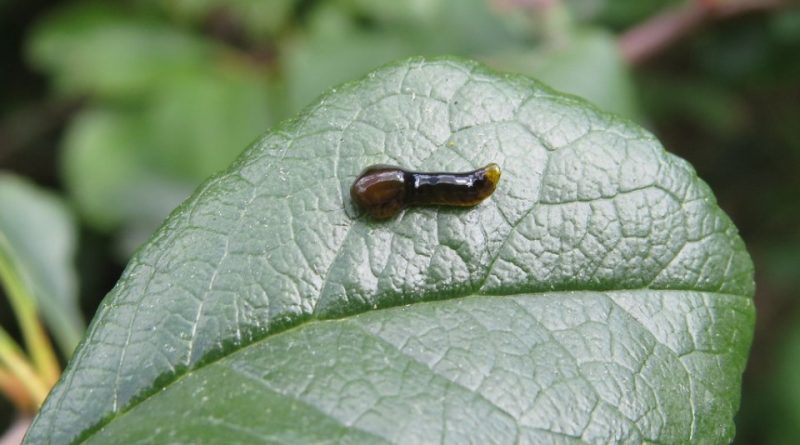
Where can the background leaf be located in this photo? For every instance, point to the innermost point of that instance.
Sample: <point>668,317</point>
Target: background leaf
<point>259,19</point>
<point>170,109</point>
<point>600,295</point>
<point>95,49</point>
<point>38,237</point>
<point>586,64</point>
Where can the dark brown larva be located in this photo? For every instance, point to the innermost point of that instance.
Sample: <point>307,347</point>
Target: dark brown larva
<point>384,190</point>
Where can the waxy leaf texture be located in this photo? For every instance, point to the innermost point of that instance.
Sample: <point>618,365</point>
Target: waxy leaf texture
<point>599,296</point>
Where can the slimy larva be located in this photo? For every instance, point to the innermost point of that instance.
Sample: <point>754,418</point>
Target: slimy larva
<point>384,190</point>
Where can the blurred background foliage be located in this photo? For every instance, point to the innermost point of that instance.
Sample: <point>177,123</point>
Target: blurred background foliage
<point>118,110</point>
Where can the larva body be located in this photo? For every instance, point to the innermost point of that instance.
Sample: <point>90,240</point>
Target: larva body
<point>384,190</point>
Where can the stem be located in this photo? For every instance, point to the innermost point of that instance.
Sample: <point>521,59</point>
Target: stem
<point>13,360</point>
<point>24,306</point>
<point>659,32</point>
<point>15,391</point>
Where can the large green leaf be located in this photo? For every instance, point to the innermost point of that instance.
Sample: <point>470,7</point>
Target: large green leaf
<point>599,295</point>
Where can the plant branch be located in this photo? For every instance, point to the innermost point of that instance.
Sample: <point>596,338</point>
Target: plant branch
<point>15,391</point>
<point>16,363</point>
<point>24,306</point>
<point>659,32</point>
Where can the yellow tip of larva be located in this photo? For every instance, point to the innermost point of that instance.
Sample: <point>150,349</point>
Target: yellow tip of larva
<point>493,173</point>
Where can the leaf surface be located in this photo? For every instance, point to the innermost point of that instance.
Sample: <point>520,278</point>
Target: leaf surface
<point>600,295</point>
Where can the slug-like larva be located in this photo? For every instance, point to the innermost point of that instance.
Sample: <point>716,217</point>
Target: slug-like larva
<point>384,190</point>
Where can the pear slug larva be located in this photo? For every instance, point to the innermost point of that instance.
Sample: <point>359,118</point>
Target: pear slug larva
<point>384,190</point>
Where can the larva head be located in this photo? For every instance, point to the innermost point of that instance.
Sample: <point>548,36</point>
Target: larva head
<point>380,190</point>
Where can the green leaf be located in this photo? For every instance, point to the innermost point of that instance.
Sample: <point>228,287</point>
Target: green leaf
<point>465,26</point>
<point>198,123</point>
<point>341,56</point>
<point>339,47</point>
<point>109,176</point>
<point>599,295</point>
<point>93,49</point>
<point>587,64</point>
<point>37,239</point>
<point>130,166</point>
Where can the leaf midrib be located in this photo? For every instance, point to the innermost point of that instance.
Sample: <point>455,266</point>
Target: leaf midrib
<point>90,432</point>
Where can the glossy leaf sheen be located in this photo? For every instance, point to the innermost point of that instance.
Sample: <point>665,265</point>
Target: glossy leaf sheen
<point>599,295</point>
